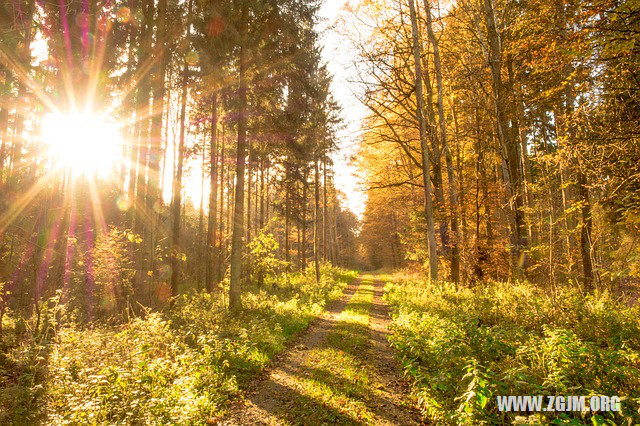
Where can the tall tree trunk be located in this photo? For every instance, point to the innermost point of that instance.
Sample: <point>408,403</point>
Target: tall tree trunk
<point>262,194</point>
<point>176,206</point>
<point>287,202</point>
<point>165,138</point>
<point>220,265</point>
<point>324,209</point>
<point>24,53</point>
<point>154,199</point>
<point>267,194</point>
<point>177,183</point>
<point>426,165</point>
<point>213,197</point>
<point>238,216</point>
<point>316,220</point>
<point>304,220</point>
<point>299,249</point>
<point>453,196</point>
<point>249,186</point>
<point>585,231</point>
<point>4,121</point>
<point>201,239</point>
<point>508,143</point>
<point>432,133</point>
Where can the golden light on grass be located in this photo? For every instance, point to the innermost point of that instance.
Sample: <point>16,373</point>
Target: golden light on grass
<point>83,143</point>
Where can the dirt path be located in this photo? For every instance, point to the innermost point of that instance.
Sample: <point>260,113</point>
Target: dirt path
<point>340,371</point>
<point>394,389</point>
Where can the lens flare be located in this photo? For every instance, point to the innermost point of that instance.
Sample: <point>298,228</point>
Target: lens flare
<point>83,143</point>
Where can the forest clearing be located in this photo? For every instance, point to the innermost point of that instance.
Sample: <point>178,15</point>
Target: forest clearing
<point>320,212</point>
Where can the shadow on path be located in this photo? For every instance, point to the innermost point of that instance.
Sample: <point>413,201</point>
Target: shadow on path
<point>340,371</point>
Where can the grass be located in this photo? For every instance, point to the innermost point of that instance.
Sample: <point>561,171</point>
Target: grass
<point>465,346</point>
<point>175,367</point>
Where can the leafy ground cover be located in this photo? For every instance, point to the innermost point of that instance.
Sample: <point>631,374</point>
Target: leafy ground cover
<point>179,366</point>
<point>465,346</point>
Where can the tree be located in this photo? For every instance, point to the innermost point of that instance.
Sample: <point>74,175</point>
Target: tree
<point>426,165</point>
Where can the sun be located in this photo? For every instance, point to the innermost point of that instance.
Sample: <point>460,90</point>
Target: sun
<point>83,143</point>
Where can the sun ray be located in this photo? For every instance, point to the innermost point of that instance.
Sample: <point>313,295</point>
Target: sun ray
<point>18,206</point>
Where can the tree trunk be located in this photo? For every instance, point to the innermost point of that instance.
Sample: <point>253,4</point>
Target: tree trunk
<point>585,232</point>
<point>154,197</point>
<point>324,210</point>
<point>249,177</point>
<point>304,220</point>
<point>287,257</point>
<point>201,239</point>
<point>177,182</point>
<point>299,249</point>
<point>453,196</point>
<point>24,53</point>
<point>262,194</point>
<point>220,265</point>
<point>176,205</point>
<point>238,215</point>
<point>213,197</point>
<point>426,165</point>
<point>4,125</point>
<point>316,220</point>
<point>509,146</point>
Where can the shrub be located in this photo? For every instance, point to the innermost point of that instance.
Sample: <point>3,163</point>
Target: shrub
<point>180,366</point>
<point>463,347</point>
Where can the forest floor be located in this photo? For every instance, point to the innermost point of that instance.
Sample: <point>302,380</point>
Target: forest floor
<point>340,371</point>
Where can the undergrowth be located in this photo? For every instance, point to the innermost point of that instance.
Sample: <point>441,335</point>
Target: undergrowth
<point>463,347</point>
<point>179,366</point>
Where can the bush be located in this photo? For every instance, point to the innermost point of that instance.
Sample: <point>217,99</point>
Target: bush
<point>463,347</point>
<point>180,366</point>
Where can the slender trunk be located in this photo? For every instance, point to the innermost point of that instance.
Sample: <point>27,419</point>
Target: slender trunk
<point>287,258</point>
<point>219,271</point>
<point>453,196</point>
<point>249,186</point>
<point>426,166</point>
<point>238,217</point>
<point>177,195</point>
<point>262,194</point>
<point>4,121</point>
<point>154,199</point>
<point>200,239</point>
<point>267,194</point>
<point>165,142</point>
<point>586,230</point>
<point>336,240</point>
<point>299,249</point>
<point>24,53</point>
<point>231,193</point>
<point>256,196</point>
<point>461,200</point>
<point>177,183</point>
<point>304,220</point>
<point>324,209</point>
<point>213,197</point>
<point>316,220</point>
<point>142,104</point>
<point>4,125</point>
<point>508,144</point>
<point>432,134</point>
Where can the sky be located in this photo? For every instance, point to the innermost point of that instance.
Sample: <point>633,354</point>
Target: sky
<point>339,58</point>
